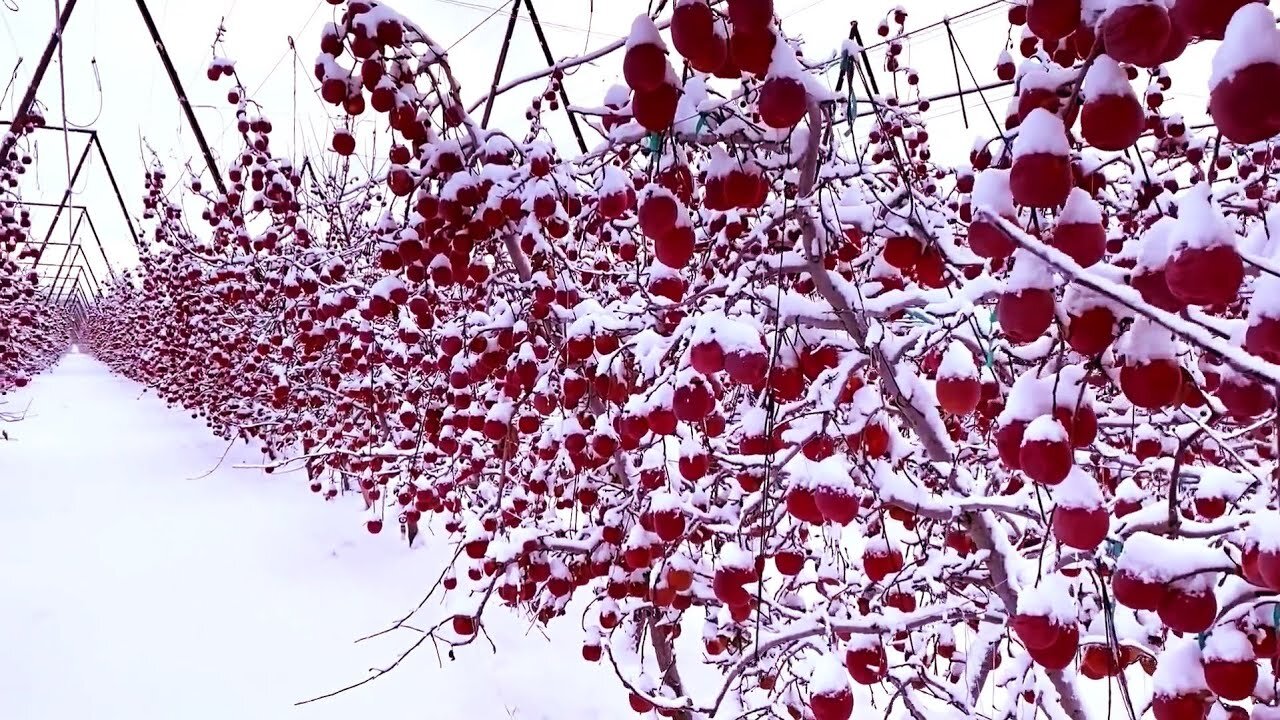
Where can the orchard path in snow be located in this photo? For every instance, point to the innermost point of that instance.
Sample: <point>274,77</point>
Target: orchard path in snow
<point>133,588</point>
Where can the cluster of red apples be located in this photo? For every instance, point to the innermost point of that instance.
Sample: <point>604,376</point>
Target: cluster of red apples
<point>851,429</point>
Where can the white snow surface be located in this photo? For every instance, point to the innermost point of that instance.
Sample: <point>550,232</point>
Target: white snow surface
<point>1045,429</point>
<point>140,586</point>
<point>1051,598</point>
<point>1153,248</point>
<point>1265,302</point>
<point>644,32</point>
<point>829,676</point>
<point>1178,668</point>
<point>957,362</point>
<point>1146,341</point>
<point>1029,272</point>
<point>991,190</point>
<point>831,473</point>
<point>1106,77</point>
<point>729,333</point>
<point>1227,643</point>
<point>1078,298</point>
<point>1251,38</point>
<point>1161,559</point>
<point>1078,490</point>
<point>1080,209</point>
<point>386,286</point>
<point>1067,385</point>
<point>1200,222</point>
<point>1264,531</point>
<point>1026,400</point>
<point>1033,74</point>
<point>1041,133</point>
<point>1219,482</point>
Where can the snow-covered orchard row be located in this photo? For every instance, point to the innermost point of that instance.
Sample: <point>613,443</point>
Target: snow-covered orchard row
<point>796,423</point>
<point>32,334</point>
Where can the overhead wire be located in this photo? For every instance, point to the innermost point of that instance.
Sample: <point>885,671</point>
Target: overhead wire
<point>12,79</point>
<point>290,49</point>
<point>972,16</point>
<point>285,54</point>
<point>797,11</point>
<point>7,28</point>
<point>478,25</point>
<point>938,31</point>
<point>151,81</point>
<point>97,79</point>
<point>544,23</point>
<point>62,95</point>
<point>60,29</point>
<point>927,32</point>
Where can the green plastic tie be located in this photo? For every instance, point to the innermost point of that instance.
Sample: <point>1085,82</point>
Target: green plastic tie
<point>1275,615</point>
<point>702,122</point>
<point>920,316</point>
<point>1114,548</point>
<point>851,104</point>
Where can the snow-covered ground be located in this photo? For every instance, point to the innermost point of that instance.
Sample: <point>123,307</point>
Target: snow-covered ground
<point>135,584</point>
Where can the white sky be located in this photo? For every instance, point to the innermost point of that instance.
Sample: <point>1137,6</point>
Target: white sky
<point>136,102</point>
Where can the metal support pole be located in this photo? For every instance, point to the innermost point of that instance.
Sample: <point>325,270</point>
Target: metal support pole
<point>83,299</point>
<point>33,203</point>
<point>66,287</point>
<point>77,312</point>
<point>55,243</point>
<point>89,268</point>
<point>866,60</point>
<point>97,289</point>
<point>86,273</point>
<point>66,196</point>
<point>70,244</point>
<point>96,241</point>
<point>124,209</point>
<point>846,67</point>
<point>502,61</point>
<point>955,64</point>
<point>551,61</point>
<point>62,285</point>
<point>8,140</point>
<point>182,96</point>
<point>80,282</point>
<point>72,130</point>
<point>955,43</point>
